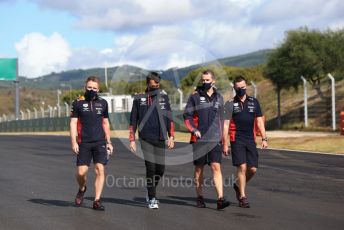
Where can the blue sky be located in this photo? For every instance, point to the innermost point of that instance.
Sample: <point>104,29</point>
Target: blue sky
<point>58,35</point>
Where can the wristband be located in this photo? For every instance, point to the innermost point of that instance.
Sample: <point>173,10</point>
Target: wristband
<point>265,139</point>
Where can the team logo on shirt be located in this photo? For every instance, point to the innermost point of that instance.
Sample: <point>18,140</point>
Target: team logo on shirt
<point>202,99</point>
<point>99,110</point>
<point>143,101</point>
<point>162,105</point>
<point>217,105</point>
<point>250,108</point>
<point>236,108</point>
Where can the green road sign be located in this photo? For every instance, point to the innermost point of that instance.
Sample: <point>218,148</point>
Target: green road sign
<point>8,69</point>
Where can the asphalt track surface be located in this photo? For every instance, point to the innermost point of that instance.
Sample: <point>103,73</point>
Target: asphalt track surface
<point>37,188</point>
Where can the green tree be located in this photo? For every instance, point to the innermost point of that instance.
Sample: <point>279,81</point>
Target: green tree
<point>224,76</point>
<point>308,53</point>
<point>311,54</point>
<point>335,51</point>
<point>70,96</point>
<point>278,71</point>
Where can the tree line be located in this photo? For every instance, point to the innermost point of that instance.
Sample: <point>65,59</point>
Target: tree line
<point>308,53</point>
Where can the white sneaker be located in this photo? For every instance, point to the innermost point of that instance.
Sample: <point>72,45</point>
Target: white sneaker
<point>153,204</point>
<point>147,197</point>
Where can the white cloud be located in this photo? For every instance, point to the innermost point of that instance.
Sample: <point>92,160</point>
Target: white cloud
<point>222,39</point>
<point>123,43</point>
<point>142,15</point>
<point>107,52</point>
<point>182,60</point>
<point>164,47</point>
<point>298,13</point>
<point>160,48</point>
<point>85,58</point>
<point>39,54</point>
<point>336,25</point>
<point>123,15</point>
<point>91,58</point>
<point>158,34</point>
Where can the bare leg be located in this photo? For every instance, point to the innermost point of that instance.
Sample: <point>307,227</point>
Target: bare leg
<point>241,175</point>
<point>100,178</point>
<point>217,175</point>
<point>250,173</point>
<point>199,179</point>
<point>81,176</point>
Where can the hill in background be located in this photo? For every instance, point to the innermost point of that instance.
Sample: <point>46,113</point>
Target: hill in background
<point>42,91</point>
<point>75,78</point>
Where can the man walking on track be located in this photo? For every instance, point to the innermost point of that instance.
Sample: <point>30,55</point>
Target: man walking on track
<point>90,138</point>
<point>203,117</point>
<point>151,115</point>
<point>241,116</point>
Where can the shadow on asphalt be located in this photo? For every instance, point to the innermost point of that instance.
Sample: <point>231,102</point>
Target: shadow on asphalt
<point>121,201</point>
<point>58,203</point>
<point>166,201</point>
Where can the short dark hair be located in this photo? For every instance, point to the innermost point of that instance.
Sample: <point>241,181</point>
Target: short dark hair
<point>153,76</point>
<point>238,79</point>
<point>210,72</point>
<point>93,78</point>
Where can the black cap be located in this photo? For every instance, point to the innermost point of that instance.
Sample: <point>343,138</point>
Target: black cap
<point>153,76</point>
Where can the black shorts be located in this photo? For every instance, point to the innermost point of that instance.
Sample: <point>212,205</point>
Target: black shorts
<point>244,152</point>
<point>95,150</point>
<point>207,153</point>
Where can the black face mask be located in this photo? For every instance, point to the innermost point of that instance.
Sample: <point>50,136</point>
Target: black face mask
<point>240,92</point>
<point>206,86</point>
<point>153,89</point>
<point>90,95</point>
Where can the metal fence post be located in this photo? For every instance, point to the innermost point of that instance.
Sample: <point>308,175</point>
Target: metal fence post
<point>58,110</point>
<point>50,111</point>
<point>180,98</point>
<point>233,91</point>
<point>42,111</point>
<point>67,109</point>
<point>333,96</point>
<point>22,115</point>
<point>255,89</point>
<point>36,114</point>
<point>305,99</point>
<point>28,114</point>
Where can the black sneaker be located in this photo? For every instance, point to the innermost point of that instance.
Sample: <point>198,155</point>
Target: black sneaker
<point>243,202</point>
<point>237,191</point>
<point>80,197</point>
<point>222,203</point>
<point>200,202</point>
<point>97,205</point>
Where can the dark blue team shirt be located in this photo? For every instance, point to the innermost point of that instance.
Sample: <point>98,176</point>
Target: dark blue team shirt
<point>151,114</point>
<point>90,116</point>
<point>242,116</point>
<point>208,112</point>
